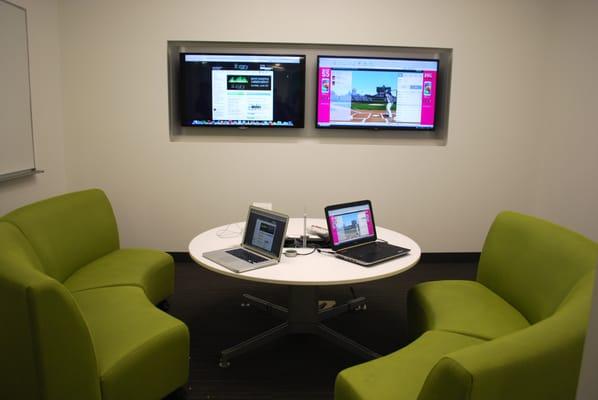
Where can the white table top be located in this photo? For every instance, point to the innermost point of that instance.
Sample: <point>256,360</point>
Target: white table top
<point>314,269</point>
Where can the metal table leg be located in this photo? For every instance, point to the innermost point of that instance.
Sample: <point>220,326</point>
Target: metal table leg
<point>302,316</point>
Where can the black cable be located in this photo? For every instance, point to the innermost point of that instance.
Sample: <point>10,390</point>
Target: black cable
<point>306,254</point>
<point>295,253</point>
<point>326,251</point>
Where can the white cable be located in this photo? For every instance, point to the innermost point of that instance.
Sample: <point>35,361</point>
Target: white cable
<point>229,232</point>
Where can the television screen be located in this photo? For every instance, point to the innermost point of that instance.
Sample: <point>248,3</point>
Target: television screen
<point>242,90</point>
<point>376,93</point>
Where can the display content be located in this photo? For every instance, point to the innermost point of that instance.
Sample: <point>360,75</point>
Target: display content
<point>242,90</point>
<point>350,224</point>
<point>264,232</point>
<point>376,93</point>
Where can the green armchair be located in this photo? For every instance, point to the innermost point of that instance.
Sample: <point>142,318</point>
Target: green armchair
<point>516,333</point>
<point>78,313</point>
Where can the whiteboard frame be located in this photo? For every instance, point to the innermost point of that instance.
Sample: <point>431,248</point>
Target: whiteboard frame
<point>33,170</point>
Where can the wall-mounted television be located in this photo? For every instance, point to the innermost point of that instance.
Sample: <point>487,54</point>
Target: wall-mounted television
<point>242,90</point>
<point>376,93</point>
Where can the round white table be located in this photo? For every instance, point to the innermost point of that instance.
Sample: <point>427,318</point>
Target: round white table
<point>302,274</point>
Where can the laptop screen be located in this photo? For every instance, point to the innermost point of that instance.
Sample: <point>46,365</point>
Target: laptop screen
<point>350,223</point>
<point>265,231</point>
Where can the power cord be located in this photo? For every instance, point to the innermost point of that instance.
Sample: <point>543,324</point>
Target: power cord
<point>228,232</point>
<point>295,253</point>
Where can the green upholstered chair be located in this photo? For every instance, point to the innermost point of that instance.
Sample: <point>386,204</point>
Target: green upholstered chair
<point>77,312</point>
<point>76,238</point>
<point>515,333</point>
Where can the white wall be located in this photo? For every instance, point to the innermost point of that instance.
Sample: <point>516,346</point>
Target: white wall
<point>115,97</point>
<point>46,101</point>
<point>568,177</point>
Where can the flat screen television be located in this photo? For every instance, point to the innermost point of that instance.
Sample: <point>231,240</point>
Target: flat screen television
<point>242,90</point>
<point>376,93</point>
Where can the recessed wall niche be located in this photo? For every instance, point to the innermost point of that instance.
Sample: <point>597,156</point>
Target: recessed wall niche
<point>438,136</point>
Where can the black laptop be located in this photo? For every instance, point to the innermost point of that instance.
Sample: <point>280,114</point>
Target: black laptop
<point>353,234</point>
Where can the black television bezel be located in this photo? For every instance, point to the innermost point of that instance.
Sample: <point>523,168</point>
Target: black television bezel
<point>238,126</point>
<point>379,128</point>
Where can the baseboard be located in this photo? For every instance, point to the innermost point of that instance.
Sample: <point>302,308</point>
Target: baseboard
<point>461,257</point>
<point>180,256</point>
<point>457,257</point>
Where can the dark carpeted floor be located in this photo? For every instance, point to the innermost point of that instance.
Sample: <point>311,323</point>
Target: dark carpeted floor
<point>295,367</point>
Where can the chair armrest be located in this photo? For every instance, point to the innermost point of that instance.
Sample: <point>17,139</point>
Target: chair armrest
<point>539,362</point>
<point>65,358</point>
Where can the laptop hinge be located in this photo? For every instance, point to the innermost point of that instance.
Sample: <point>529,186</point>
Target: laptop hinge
<point>356,245</point>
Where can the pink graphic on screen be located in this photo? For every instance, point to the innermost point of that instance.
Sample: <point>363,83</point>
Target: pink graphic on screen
<point>332,225</point>
<point>324,94</point>
<point>428,98</point>
<point>351,225</point>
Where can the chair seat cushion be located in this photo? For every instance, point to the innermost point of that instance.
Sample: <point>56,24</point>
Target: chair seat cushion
<point>399,375</point>
<point>460,306</point>
<point>151,270</point>
<point>141,351</point>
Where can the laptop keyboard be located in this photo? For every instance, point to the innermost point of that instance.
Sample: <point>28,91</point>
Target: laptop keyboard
<point>371,251</point>
<point>246,255</point>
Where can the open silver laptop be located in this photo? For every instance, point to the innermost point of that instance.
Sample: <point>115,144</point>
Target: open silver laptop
<point>262,244</point>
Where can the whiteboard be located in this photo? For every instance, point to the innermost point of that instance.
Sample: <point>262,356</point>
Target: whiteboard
<point>16,132</point>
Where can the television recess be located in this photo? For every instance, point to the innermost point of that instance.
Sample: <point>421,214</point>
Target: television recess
<point>376,93</point>
<point>242,90</point>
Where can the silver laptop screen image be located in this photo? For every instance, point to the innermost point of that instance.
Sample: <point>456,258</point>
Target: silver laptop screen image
<point>264,232</point>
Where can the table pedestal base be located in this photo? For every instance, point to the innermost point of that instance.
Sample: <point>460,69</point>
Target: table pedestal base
<point>302,316</point>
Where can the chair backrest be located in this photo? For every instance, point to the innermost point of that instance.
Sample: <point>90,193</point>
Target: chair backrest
<point>533,264</point>
<point>46,346</point>
<point>68,231</point>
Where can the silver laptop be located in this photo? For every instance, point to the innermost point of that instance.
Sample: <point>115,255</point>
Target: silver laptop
<point>262,244</point>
